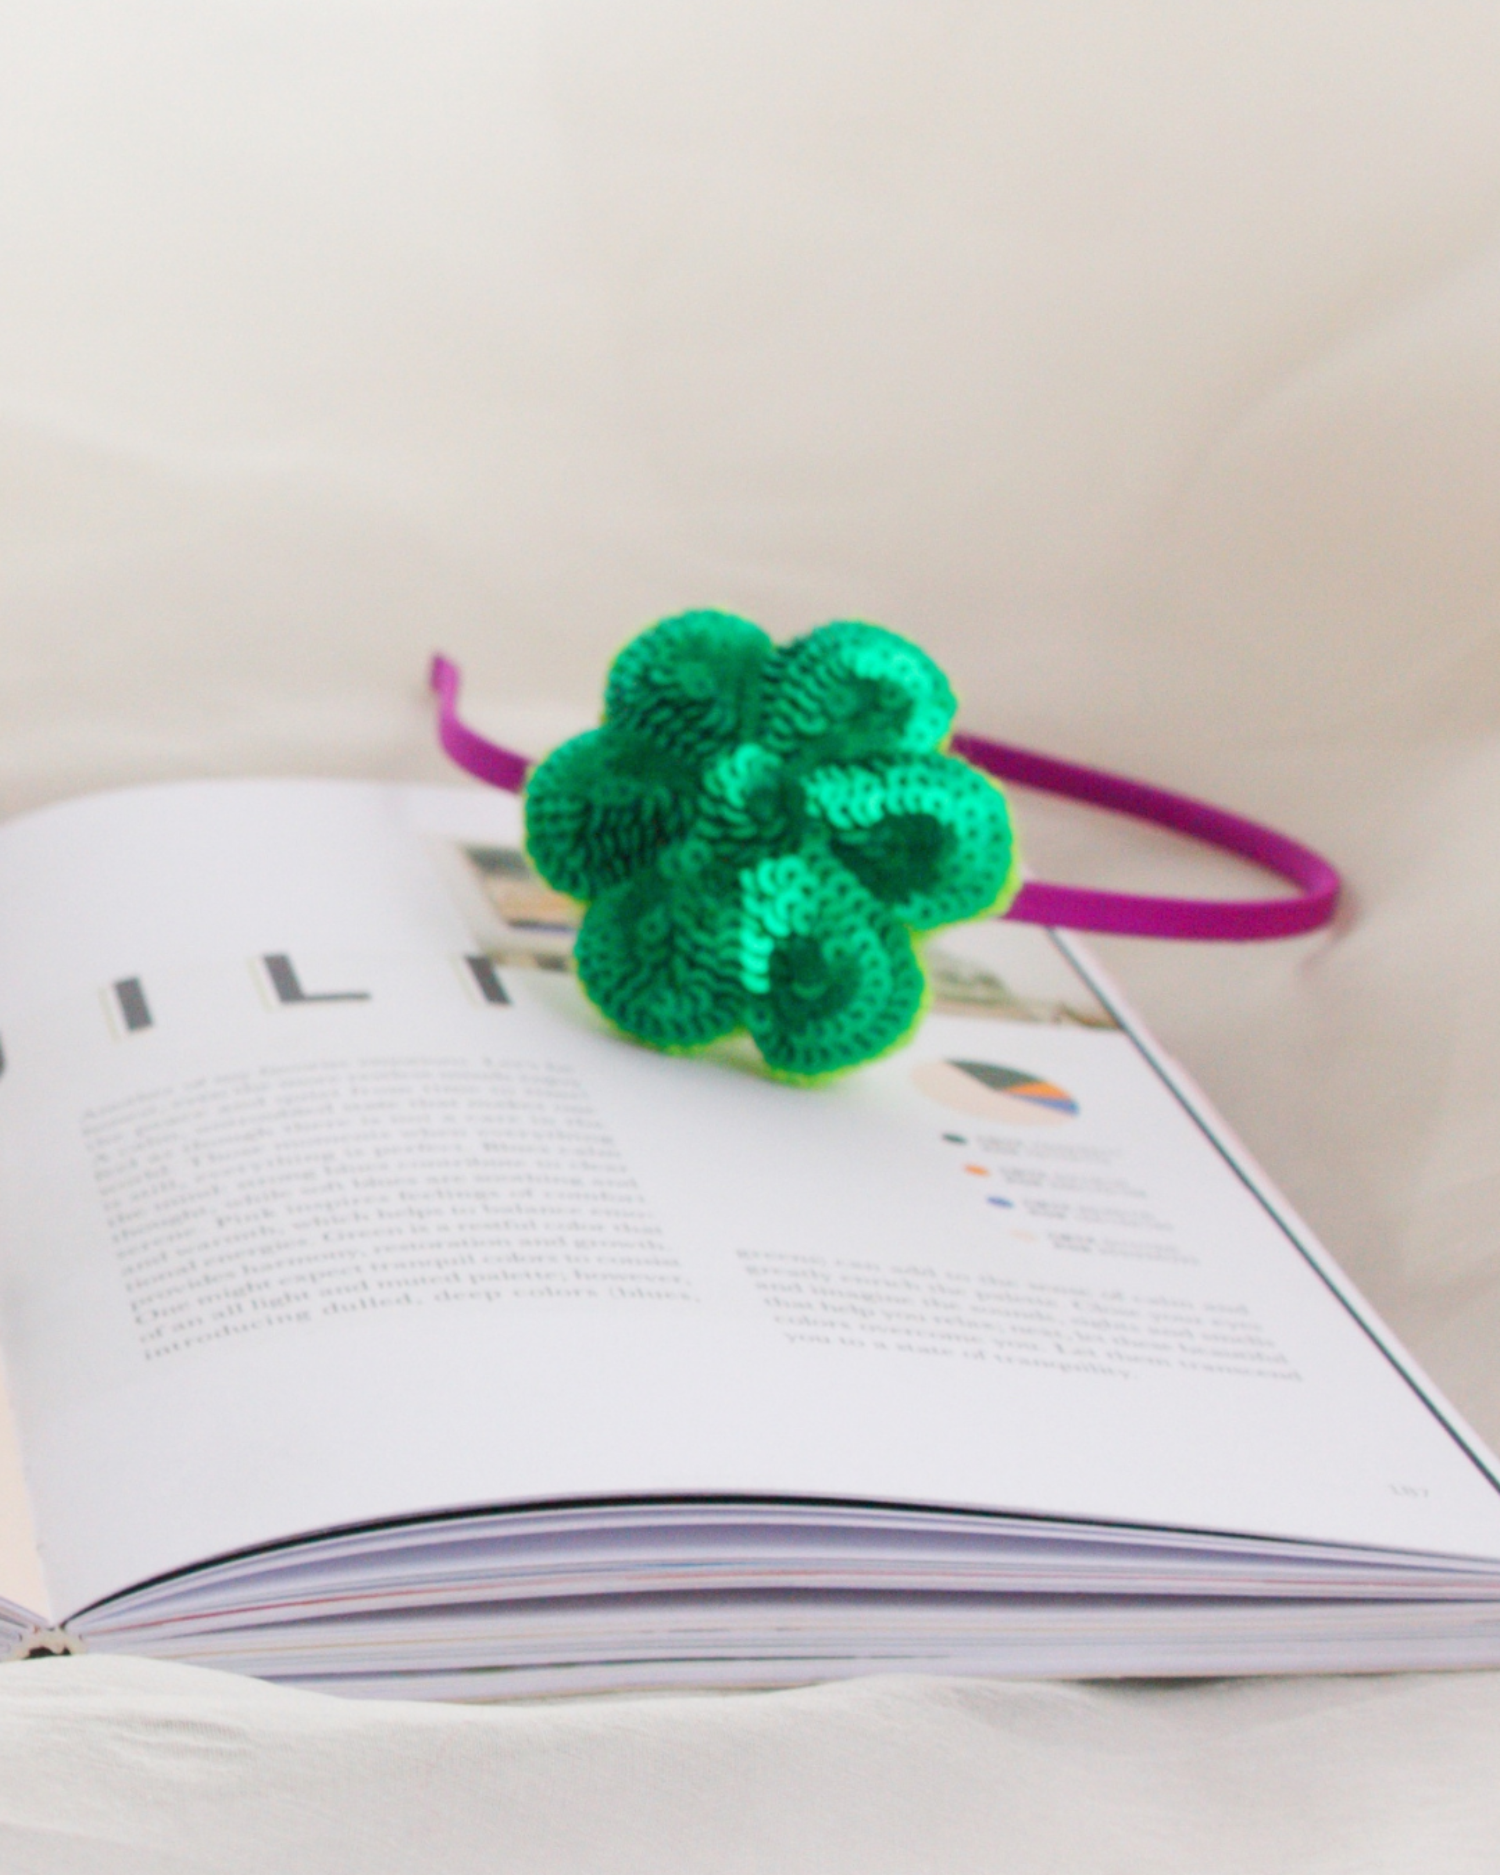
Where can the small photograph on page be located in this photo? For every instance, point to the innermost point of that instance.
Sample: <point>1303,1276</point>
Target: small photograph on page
<point>1013,973</point>
<point>530,926</point>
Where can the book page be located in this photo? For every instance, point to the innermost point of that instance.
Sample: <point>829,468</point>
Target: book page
<point>329,1199</point>
<point>22,1583</point>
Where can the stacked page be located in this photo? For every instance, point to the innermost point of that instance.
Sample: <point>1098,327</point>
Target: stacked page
<point>374,1318</point>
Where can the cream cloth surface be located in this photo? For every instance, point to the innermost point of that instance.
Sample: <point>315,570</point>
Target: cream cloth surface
<point>144,1769</point>
<point>1139,358</point>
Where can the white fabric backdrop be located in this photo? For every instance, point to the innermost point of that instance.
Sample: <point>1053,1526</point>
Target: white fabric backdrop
<point>1137,355</point>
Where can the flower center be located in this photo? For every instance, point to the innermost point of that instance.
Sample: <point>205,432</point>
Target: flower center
<point>752,806</point>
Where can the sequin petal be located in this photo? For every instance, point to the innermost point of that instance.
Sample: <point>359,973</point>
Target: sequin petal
<point>832,974</point>
<point>689,684</point>
<point>658,956</point>
<point>927,835</point>
<point>851,690</point>
<point>600,808</point>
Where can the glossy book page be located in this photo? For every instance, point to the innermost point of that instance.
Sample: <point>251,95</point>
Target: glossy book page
<point>328,1199</point>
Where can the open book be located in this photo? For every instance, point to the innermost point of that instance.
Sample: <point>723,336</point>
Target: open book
<point>373,1318</point>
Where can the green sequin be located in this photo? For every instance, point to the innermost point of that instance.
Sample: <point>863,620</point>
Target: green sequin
<point>757,829</point>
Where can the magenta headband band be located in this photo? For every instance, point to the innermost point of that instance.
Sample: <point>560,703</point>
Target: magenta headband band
<point>1124,914</point>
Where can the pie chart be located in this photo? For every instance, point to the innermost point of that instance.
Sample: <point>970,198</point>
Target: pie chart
<point>988,1091</point>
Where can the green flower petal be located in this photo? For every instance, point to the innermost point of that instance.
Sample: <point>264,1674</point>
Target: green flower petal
<point>832,975</point>
<point>689,684</point>
<point>660,958</point>
<point>847,691</point>
<point>928,835</point>
<point>601,808</point>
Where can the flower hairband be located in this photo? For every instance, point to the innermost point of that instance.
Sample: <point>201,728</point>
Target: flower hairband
<point>758,832</point>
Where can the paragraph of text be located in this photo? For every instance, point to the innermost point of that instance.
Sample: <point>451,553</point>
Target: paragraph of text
<point>964,1315</point>
<point>308,1193</point>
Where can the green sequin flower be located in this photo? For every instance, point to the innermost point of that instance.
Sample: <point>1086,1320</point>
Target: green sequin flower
<point>756,829</point>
